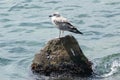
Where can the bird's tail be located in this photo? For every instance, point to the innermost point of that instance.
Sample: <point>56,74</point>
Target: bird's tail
<point>74,30</point>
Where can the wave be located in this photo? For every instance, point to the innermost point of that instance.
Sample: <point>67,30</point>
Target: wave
<point>107,66</point>
<point>4,61</point>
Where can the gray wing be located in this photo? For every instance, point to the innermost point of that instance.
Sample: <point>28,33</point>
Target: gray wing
<point>63,25</point>
<point>67,27</point>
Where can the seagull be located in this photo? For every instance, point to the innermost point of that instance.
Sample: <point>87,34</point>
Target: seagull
<point>63,24</point>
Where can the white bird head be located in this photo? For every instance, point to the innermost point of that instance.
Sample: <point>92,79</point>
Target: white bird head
<point>56,14</point>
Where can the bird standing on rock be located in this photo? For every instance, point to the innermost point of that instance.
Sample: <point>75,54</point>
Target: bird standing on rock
<point>63,24</point>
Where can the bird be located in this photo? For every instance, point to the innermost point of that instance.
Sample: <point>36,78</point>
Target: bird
<point>63,24</point>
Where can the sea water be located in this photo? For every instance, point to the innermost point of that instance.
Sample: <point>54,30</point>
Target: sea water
<point>25,28</point>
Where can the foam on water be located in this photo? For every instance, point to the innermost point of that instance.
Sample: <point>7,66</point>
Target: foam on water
<point>114,68</point>
<point>107,66</point>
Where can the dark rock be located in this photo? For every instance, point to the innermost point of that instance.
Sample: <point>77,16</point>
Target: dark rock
<point>62,56</point>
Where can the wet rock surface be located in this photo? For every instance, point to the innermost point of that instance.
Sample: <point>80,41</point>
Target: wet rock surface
<point>62,56</point>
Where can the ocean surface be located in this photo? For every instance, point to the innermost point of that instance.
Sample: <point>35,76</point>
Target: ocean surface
<point>25,28</point>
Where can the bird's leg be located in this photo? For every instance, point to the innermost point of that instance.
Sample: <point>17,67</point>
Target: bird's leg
<point>62,33</point>
<point>59,33</point>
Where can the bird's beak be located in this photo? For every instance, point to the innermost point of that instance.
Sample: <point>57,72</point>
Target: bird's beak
<point>50,15</point>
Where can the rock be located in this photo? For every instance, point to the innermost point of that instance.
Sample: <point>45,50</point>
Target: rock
<point>62,56</point>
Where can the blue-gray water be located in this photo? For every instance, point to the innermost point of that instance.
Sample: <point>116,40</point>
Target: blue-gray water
<point>25,28</point>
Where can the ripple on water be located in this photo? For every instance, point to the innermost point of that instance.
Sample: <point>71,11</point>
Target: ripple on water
<point>4,14</point>
<point>16,30</point>
<point>5,20</point>
<point>106,11</point>
<point>17,50</point>
<point>20,6</point>
<point>19,43</point>
<point>8,25</point>
<point>29,24</point>
<point>83,16</point>
<point>1,35</point>
<point>32,16</point>
<point>58,8</point>
<point>73,6</point>
<point>16,7</point>
<point>24,62</point>
<point>52,2</point>
<point>109,35</point>
<point>4,61</point>
<point>6,44</point>
<point>79,21</point>
<point>93,33</point>
<point>113,3</point>
<point>76,6</point>
<point>2,45</point>
<point>96,26</point>
<point>30,31</point>
<point>96,1</point>
<point>28,0</point>
<point>111,15</point>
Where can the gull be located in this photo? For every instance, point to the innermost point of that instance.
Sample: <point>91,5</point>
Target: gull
<point>63,24</point>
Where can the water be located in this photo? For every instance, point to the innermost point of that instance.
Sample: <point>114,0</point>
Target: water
<point>25,28</point>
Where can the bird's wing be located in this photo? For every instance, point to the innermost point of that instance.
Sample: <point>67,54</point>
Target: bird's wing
<point>64,24</point>
<point>61,21</point>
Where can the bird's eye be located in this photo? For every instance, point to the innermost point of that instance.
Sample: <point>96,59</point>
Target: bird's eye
<point>54,14</point>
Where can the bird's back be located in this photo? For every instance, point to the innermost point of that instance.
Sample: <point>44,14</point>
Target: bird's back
<point>61,22</point>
